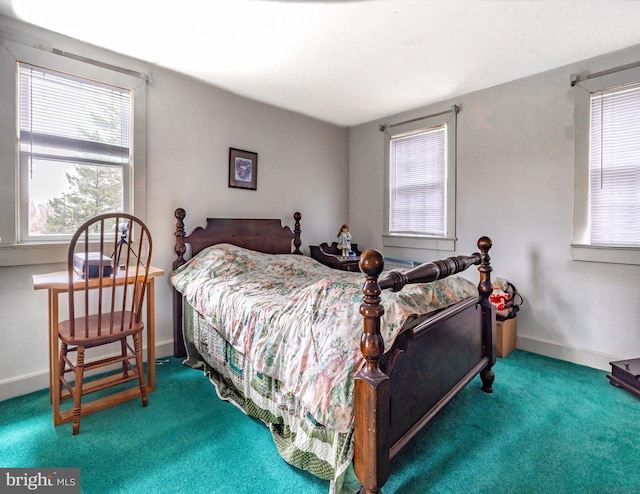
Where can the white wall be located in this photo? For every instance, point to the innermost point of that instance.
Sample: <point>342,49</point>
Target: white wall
<point>515,184</point>
<point>302,166</point>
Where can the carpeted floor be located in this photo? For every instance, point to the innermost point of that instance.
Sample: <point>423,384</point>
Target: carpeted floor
<point>549,427</point>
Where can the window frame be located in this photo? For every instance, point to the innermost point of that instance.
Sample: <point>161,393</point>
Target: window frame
<point>581,248</point>
<point>26,159</point>
<point>444,242</point>
<point>14,250</point>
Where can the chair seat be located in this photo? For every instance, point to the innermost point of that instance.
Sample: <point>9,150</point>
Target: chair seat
<point>109,330</point>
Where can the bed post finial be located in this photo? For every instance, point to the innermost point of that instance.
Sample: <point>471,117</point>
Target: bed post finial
<point>485,287</point>
<point>296,231</point>
<point>371,343</point>
<point>372,391</point>
<point>180,248</point>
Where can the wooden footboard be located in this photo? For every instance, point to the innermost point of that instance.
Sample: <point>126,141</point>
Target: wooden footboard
<point>425,369</point>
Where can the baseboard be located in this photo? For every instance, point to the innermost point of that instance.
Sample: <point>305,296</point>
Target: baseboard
<point>22,385</point>
<point>575,355</point>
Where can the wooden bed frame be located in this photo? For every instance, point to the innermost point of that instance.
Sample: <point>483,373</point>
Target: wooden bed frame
<point>399,390</point>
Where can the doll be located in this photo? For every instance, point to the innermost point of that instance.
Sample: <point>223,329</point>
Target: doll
<point>344,240</point>
<point>499,297</point>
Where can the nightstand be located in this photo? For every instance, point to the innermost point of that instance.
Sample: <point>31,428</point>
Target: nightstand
<point>329,255</point>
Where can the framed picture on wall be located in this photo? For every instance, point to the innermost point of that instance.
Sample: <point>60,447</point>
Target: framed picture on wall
<point>243,169</point>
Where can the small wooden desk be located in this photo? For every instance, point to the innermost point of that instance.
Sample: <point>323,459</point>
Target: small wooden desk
<point>57,283</point>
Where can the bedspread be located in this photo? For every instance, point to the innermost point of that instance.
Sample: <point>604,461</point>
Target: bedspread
<point>298,321</point>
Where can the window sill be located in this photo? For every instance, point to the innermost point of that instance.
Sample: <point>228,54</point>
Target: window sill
<point>414,242</point>
<point>28,254</point>
<point>614,255</point>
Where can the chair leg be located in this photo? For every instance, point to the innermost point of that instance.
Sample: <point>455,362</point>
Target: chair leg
<point>62,367</point>
<point>125,362</point>
<point>137,346</point>
<point>77,390</point>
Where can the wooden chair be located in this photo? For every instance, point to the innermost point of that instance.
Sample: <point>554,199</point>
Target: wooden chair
<point>108,262</point>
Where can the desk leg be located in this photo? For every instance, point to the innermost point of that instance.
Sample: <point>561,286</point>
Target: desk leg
<point>54,368</point>
<point>151,336</point>
<point>52,353</point>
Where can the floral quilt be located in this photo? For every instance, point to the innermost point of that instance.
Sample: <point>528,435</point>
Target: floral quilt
<point>298,321</point>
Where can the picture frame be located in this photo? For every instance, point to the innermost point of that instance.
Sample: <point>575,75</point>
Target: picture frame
<point>243,169</point>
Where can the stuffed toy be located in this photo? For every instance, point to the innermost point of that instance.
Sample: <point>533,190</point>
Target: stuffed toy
<point>506,299</point>
<point>499,297</point>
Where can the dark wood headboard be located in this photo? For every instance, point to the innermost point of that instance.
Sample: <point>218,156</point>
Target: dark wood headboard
<point>262,235</point>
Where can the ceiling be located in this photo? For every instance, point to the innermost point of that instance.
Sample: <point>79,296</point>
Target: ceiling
<point>346,61</point>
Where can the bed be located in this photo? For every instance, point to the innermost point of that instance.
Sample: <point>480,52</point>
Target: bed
<point>344,370</point>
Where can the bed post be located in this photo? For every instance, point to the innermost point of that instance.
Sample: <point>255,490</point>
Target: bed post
<point>179,349</point>
<point>371,392</point>
<point>297,242</point>
<point>485,287</point>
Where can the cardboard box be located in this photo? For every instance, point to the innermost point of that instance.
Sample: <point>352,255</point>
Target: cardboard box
<point>92,266</point>
<point>506,336</point>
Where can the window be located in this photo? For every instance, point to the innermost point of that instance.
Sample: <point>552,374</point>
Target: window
<point>614,167</point>
<point>64,114</point>
<point>607,187</point>
<point>420,183</point>
<point>74,151</point>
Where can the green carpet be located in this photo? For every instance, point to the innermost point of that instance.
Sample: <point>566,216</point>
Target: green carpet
<point>549,426</point>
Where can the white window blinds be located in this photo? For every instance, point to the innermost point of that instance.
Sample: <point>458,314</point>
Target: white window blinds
<point>614,167</point>
<point>72,117</point>
<point>418,170</point>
